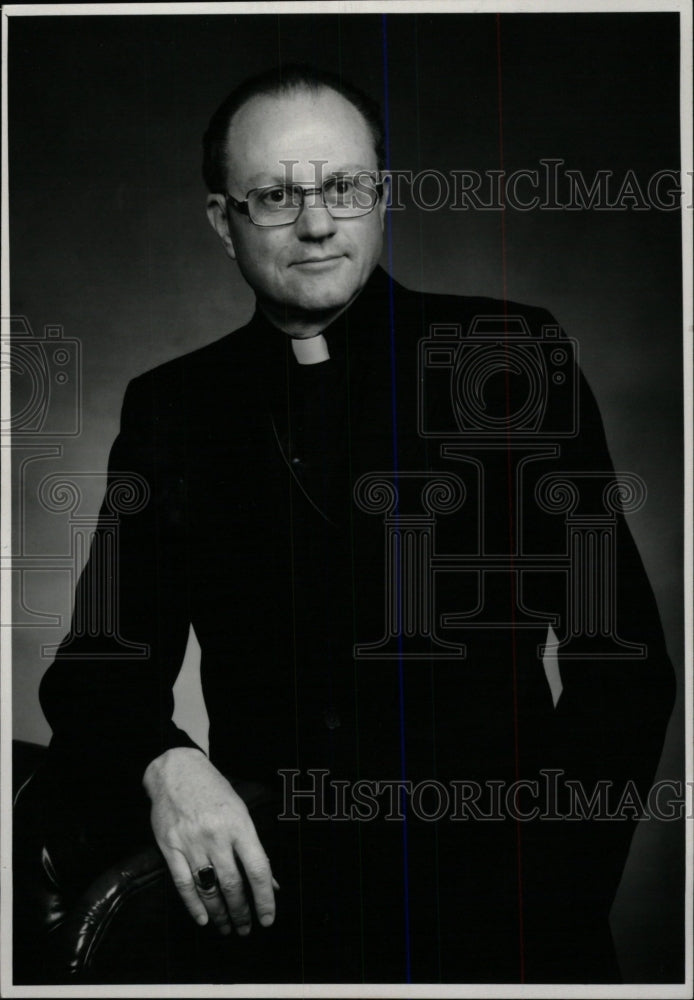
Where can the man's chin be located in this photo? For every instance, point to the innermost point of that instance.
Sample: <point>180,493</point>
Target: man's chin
<point>323,295</point>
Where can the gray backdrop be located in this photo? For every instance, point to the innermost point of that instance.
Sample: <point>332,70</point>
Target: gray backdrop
<point>109,239</point>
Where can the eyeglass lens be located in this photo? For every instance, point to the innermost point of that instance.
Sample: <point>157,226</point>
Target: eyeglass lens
<point>343,196</point>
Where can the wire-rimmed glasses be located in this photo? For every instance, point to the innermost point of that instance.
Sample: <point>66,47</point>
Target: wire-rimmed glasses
<point>345,196</point>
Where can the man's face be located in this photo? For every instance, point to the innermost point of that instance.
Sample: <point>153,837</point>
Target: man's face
<point>317,264</point>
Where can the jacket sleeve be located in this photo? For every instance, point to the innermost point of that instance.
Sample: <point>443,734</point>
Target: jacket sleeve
<point>108,694</point>
<point>614,708</point>
<point>610,720</point>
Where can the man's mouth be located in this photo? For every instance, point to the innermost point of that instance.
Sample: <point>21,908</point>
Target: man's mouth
<point>317,262</point>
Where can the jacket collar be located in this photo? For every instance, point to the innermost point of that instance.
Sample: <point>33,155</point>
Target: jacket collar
<point>361,329</point>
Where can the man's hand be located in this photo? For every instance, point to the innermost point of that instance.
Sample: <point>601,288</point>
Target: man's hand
<point>199,820</point>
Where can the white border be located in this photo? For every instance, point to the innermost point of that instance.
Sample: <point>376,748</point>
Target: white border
<point>320,991</point>
<point>684,8</point>
<point>5,574</point>
<point>687,168</point>
<point>349,7</point>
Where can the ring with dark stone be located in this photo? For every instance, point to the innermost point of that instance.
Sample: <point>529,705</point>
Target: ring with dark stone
<point>206,878</point>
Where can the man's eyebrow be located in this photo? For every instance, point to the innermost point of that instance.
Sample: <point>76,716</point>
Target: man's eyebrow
<point>295,176</point>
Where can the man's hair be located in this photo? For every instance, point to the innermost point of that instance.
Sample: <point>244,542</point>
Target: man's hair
<point>283,80</point>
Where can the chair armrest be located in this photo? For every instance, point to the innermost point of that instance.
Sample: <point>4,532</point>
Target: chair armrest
<point>96,912</point>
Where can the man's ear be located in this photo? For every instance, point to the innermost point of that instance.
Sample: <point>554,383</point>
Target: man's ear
<point>383,201</point>
<point>217,214</point>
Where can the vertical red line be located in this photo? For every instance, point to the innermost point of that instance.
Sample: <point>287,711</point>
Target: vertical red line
<point>509,475</point>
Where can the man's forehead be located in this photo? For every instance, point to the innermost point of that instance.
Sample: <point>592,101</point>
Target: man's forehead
<point>313,172</point>
<point>300,135</point>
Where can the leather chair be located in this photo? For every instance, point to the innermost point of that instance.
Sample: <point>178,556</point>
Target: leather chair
<point>82,923</point>
<point>83,916</point>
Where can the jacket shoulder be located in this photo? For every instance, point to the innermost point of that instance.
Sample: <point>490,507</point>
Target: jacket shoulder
<point>208,360</point>
<point>189,388</point>
<point>465,310</point>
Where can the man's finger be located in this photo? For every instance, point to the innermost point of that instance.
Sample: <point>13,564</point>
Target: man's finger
<point>205,877</point>
<point>232,891</point>
<point>202,904</point>
<point>183,880</point>
<point>259,874</point>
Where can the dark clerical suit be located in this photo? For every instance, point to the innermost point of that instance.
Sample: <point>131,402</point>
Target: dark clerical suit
<point>370,550</point>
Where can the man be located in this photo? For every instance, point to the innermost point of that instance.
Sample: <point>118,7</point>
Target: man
<point>264,458</point>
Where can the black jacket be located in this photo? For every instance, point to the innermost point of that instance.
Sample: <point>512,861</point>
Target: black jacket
<point>262,529</point>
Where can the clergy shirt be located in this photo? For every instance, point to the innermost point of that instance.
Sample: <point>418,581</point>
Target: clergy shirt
<point>310,350</point>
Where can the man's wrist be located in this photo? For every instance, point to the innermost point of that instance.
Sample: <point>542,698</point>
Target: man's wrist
<point>159,765</point>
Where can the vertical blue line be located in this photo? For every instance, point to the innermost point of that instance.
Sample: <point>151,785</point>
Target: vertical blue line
<point>398,576</point>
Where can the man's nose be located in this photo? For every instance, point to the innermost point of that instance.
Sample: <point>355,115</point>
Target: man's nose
<point>315,222</point>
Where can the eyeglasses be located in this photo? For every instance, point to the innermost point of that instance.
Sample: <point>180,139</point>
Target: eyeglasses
<point>346,196</point>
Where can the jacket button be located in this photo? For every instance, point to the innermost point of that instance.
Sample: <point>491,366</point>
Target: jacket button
<point>332,719</point>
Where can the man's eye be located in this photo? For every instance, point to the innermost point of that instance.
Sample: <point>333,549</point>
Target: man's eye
<point>277,197</point>
<point>339,191</point>
<point>341,186</point>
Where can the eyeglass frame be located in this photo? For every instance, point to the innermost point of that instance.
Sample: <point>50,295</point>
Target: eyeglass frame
<point>241,205</point>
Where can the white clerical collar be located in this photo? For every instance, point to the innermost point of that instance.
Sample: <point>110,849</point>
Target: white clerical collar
<point>310,350</point>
